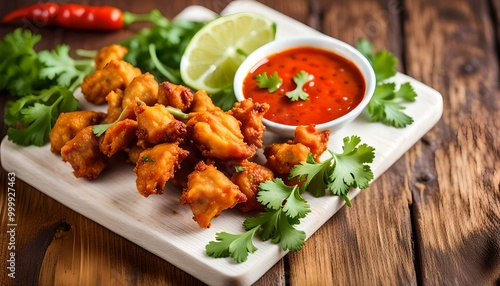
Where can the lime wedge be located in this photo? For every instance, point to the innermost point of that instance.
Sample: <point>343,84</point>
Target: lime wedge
<point>215,52</point>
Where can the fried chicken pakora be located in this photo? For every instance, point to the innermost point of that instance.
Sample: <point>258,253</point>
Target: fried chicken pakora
<point>83,153</point>
<point>250,115</point>
<point>117,74</point>
<point>209,192</point>
<point>177,96</point>
<point>143,87</point>
<point>281,157</point>
<point>218,134</point>
<point>316,140</point>
<point>248,180</point>
<point>155,166</point>
<point>68,124</point>
<point>118,137</point>
<point>209,155</point>
<point>107,54</point>
<point>157,125</point>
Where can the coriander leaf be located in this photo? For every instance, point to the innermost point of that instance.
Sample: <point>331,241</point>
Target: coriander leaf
<point>38,114</point>
<point>300,79</point>
<point>279,227</point>
<point>19,64</point>
<point>385,105</point>
<point>340,172</point>
<point>99,129</point>
<point>366,48</point>
<point>166,43</point>
<point>385,108</point>
<point>60,66</point>
<point>289,237</point>
<point>406,92</point>
<point>315,175</point>
<point>277,195</point>
<point>237,246</point>
<point>351,169</point>
<point>384,65</point>
<point>272,83</point>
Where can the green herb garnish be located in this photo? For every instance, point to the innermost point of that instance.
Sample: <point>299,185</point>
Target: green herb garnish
<point>298,93</point>
<point>285,206</point>
<point>272,83</point>
<point>386,103</point>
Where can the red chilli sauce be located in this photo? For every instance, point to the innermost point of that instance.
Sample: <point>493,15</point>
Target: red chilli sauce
<point>336,86</point>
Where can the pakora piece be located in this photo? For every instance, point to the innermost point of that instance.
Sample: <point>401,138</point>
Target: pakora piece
<point>117,74</point>
<point>68,124</point>
<point>109,53</point>
<point>203,102</point>
<point>144,87</point>
<point>208,193</point>
<point>281,157</point>
<point>248,180</point>
<point>157,165</point>
<point>118,137</point>
<point>177,96</point>
<point>83,153</point>
<point>250,115</point>
<point>157,125</point>
<point>316,140</point>
<point>217,134</point>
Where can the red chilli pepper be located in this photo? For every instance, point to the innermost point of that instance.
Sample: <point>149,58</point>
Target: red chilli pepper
<point>82,17</point>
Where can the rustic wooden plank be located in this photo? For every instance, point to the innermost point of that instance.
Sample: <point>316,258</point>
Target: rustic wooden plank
<point>454,179</point>
<point>372,241</point>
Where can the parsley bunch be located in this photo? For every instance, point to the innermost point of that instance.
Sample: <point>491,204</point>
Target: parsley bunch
<point>43,83</point>
<point>285,205</point>
<point>386,103</point>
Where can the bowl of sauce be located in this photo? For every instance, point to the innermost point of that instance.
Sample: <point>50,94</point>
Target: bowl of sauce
<point>306,80</point>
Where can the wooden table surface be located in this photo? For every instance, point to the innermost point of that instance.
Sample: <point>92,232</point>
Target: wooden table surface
<point>433,218</point>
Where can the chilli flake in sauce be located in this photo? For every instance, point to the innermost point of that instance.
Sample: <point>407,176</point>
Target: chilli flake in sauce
<point>335,86</point>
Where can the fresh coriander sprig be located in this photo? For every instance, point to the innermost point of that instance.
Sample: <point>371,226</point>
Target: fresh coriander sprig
<point>386,103</point>
<point>272,83</point>
<point>339,173</point>
<point>284,209</point>
<point>300,79</point>
<point>285,205</point>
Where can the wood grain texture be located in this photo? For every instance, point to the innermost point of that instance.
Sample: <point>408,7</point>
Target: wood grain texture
<point>433,218</point>
<point>453,46</point>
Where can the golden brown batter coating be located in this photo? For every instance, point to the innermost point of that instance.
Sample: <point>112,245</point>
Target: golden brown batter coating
<point>187,165</point>
<point>117,74</point>
<point>109,53</point>
<point>177,96</point>
<point>281,157</point>
<point>203,102</point>
<point>157,125</point>
<point>134,152</point>
<point>83,153</point>
<point>118,137</point>
<point>250,115</point>
<point>316,140</point>
<point>69,124</point>
<point>209,192</point>
<point>217,134</point>
<point>143,87</point>
<point>248,181</point>
<point>114,100</point>
<point>155,166</point>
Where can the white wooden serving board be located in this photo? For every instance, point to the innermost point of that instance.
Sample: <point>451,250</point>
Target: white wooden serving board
<point>163,226</point>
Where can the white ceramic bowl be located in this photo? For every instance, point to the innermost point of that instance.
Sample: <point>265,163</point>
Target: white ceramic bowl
<point>322,42</point>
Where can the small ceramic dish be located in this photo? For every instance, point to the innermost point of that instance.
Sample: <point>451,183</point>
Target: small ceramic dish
<point>310,45</point>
